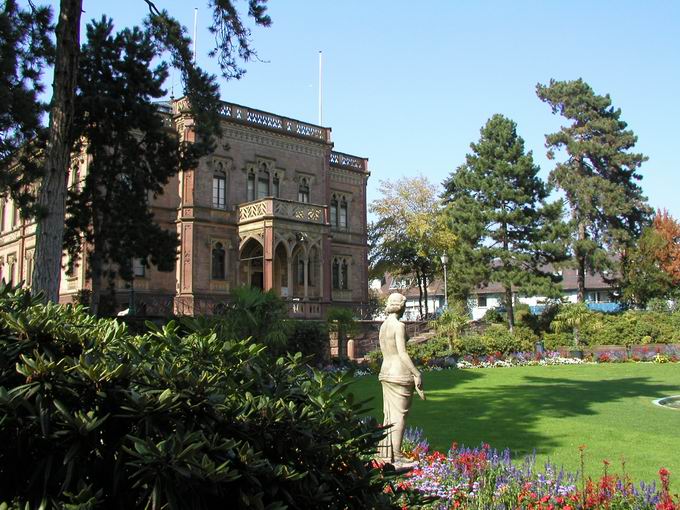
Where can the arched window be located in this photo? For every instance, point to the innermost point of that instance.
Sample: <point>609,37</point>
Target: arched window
<point>301,271</point>
<point>262,184</point>
<point>334,211</point>
<point>336,274</point>
<point>251,186</point>
<point>275,185</point>
<point>343,214</point>
<point>303,191</point>
<point>344,275</point>
<point>218,262</point>
<point>11,262</point>
<point>219,188</point>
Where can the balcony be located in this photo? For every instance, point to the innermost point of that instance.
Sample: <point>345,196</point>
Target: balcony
<point>278,208</point>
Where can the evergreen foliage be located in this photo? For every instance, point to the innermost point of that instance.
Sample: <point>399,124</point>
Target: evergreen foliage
<point>130,152</point>
<point>645,277</point>
<point>25,49</point>
<point>507,231</point>
<point>599,177</point>
<point>252,313</point>
<point>232,38</point>
<point>94,417</point>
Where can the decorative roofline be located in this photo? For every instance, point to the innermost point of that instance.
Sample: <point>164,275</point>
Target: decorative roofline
<point>260,118</point>
<point>342,160</point>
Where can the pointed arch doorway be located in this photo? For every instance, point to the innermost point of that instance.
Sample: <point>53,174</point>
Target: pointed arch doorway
<point>251,264</point>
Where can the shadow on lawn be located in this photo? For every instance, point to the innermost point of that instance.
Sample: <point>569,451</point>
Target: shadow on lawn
<point>508,415</point>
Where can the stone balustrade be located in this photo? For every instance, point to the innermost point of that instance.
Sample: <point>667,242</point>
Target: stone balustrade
<point>283,209</point>
<point>259,118</point>
<point>304,309</point>
<point>343,160</point>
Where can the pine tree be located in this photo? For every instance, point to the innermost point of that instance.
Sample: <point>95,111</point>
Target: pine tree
<point>499,211</point>
<point>232,38</point>
<point>599,177</point>
<point>131,154</point>
<point>26,49</point>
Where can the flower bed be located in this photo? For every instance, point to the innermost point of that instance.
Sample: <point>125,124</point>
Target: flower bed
<point>656,354</point>
<point>484,478</point>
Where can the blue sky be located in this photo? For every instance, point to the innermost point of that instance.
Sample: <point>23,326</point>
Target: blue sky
<point>409,84</point>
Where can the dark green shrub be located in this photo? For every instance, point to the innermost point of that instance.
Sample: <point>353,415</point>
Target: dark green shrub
<point>493,316</point>
<point>497,338</point>
<point>474,344</point>
<point>253,313</point>
<point>375,359</point>
<point>94,415</point>
<point>660,305</point>
<point>522,313</point>
<point>308,337</point>
<point>437,347</point>
<point>540,323</point>
<point>552,341</point>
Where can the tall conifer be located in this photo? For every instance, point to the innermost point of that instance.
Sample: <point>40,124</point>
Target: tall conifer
<point>131,155</point>
<point>499,212</point>
<point>599,177</point>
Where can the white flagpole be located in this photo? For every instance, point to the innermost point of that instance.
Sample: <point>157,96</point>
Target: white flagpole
<point>320,88</point>
<point>195,26</point>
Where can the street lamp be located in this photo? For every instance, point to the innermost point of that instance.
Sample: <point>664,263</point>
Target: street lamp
<point>445,260</point>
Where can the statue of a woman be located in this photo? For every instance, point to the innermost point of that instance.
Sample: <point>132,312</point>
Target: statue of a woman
<point>398,377</point>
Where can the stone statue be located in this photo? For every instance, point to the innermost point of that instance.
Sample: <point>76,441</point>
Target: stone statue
<point>399,377</point>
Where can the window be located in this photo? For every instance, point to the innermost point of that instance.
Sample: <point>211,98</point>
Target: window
<point>301,272</point>
<point>138,267</point>
<point>251,186</point>
<point>11,261</point>
<point>343,213</point>
<point>218,262</point>
<point>336,274</point>
<point>481,301</point>
<point>263,185</point>
<point>340,274</point>
<point>334,211</point>
<point>303,191</point>
<point>220,188</point>
<point>29,268</point>
<point>275,185</point>
<point>338,212</point>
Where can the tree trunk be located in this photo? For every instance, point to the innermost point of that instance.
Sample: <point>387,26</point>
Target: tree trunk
<point>95,263</point>
<point>52,194</point>
<point>427,308</point>
<point>509,308</point>
<point>420,294</point>
<point>581,269</point>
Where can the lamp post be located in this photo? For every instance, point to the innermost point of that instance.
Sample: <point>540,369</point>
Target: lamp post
<point>445,260</point>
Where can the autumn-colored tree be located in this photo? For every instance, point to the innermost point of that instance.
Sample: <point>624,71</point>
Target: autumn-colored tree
<point>411,231</point>
<point>668,254</point>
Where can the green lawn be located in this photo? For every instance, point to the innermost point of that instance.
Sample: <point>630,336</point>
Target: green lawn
<point>552,410</point>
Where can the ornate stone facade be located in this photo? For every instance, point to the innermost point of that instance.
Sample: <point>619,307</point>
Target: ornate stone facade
<point>273,207</point>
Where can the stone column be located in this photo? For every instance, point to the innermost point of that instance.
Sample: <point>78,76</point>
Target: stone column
<point>306,275</point>
<point>289,282</point>
<point>268,261</point>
